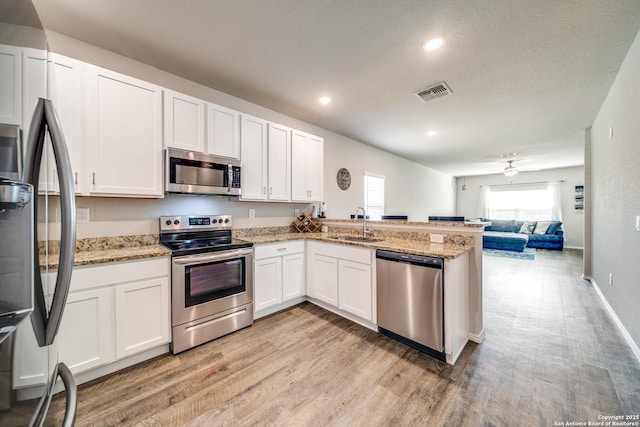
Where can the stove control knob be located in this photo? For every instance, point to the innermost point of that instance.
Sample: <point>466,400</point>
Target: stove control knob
<point>168,222</point>
<point>176,222</point>
<point>226,220</point>
<point>213,221</point>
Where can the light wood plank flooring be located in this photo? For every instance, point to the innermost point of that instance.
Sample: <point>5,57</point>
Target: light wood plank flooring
<point>551,354</point>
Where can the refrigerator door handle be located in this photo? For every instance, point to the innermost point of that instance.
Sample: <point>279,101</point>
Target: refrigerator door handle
<point>72,395</point>
<point>68,222</point>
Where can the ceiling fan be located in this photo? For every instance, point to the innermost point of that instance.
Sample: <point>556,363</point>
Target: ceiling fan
<point>510,170</point>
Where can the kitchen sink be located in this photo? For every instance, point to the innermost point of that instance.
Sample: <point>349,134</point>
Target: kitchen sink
<point>356,239</point>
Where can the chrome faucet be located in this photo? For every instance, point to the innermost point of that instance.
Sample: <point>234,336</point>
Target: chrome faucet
<point>364,221</point>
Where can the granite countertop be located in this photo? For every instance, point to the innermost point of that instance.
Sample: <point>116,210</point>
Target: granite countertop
<point>101,250</point>
<point>416,247</point>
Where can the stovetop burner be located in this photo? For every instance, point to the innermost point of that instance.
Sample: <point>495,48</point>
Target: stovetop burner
<point>188,235</point>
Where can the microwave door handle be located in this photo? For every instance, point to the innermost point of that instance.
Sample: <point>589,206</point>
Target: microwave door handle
<point>229,177</point>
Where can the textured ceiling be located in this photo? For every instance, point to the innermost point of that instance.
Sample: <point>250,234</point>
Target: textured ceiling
<point>527,76</point>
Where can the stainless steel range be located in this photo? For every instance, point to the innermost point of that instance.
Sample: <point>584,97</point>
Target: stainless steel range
<point>211,278</point>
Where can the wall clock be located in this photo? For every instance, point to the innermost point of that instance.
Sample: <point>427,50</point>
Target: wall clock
<point>344,179</point>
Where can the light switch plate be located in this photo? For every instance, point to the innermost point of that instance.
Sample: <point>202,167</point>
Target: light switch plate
<point>252,213</point>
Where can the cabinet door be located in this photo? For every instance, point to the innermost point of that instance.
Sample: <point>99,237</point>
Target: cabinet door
<point>65,90</point>
<point>183,121</point>
<point>299,189</point>
<point>267,283</point>
<point>11,85</point>
<point>223,131</point>
<point>279,161</point>
<point>307,167</point>
<point>123,135</point>
<point>293,277</point>
<point>254,158</point>
<point>355,288</point>
<point>85,334</point>
<point>30,366</point>
<point>314,157</point>
<point>322,278</point>
<point>142,316</point>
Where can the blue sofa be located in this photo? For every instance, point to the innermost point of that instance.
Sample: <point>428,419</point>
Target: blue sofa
<point>510,235</point>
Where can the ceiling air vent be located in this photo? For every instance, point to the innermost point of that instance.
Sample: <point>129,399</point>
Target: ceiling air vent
<point>435,91</point>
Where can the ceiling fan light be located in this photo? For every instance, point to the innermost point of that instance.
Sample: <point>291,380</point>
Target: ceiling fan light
<point>510,172</point>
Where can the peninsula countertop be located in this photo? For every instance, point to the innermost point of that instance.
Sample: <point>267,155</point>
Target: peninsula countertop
<point>408,246</point>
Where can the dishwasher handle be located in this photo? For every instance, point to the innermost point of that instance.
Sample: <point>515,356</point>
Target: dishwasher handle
<point>425,261</point>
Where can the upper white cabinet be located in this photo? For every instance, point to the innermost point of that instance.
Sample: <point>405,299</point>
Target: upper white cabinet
<point>65,90</point>
<point>123,135</point>
<point>254,158</point>
<point>11,85</point>
<point>223,131</point>
<point>184,118</point>
<point>279,155</point>
<point>307,167</point>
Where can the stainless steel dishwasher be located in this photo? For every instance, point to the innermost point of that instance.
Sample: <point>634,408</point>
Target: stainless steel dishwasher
<point>411,300</point>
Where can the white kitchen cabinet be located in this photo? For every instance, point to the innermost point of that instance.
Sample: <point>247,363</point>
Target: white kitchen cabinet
<point>307,167</point>
<point>343,277</point>
<point>223,131</point>
<point>123,135</point>
<point>267,283</point>
<point>84,335</point>
<point>11,85</point>
<point>184,118</point>
<point>141,316</point>
<point>279,160</point>
<point>254,158</point>
<point>293,277</point>
<point>65,90</point>
<point>355,289</point>
<point>279,276</point>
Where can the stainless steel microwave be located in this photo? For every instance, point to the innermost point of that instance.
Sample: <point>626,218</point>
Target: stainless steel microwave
<point>188,172</point>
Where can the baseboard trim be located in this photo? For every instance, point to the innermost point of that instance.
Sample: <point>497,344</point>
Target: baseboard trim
<point>476,337</point>
<point>574,247</point>
<point>616,319</point>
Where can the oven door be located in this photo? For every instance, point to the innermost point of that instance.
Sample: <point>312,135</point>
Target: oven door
<point>210,283</point>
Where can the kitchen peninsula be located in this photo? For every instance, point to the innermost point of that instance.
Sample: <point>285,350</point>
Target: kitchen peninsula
<point>278,252</point>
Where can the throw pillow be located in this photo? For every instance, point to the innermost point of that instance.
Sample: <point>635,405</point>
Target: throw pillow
<point>528,227</point>
<point>555,226</point>
<point>541,227</point>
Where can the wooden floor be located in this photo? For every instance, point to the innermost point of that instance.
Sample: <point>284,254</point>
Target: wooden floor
<point>551,354</point>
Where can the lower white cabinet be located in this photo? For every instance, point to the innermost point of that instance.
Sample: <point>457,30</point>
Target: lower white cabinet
<point>85,328</point>
<point>355,288</point>
<point>113,311</point>
<point>141,316</point>
<point>279,276</point>
<point>343,277</point>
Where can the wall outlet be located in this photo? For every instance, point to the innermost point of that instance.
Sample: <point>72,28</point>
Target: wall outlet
<point>610,279</point>
<point>436,238</point>
<point>252,213</point>
<point>296,212</point>
<point>82,214</point>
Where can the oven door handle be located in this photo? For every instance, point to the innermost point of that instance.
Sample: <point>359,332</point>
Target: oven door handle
<point>218,256</point>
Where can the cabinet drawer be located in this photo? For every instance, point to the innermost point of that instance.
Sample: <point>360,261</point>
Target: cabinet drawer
<point>120,272</point>
<point>278,249</point>
<point>344,252</point>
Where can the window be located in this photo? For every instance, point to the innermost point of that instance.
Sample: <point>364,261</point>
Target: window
<point>374,195</point>
<point>526,202</point>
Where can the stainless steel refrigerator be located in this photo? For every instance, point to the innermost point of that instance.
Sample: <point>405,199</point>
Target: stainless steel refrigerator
<point>21,271</point>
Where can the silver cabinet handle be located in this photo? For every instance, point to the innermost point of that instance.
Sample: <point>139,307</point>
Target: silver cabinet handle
<point>76,178</point>
<point>270,191</point>
<point>264,190</point>
<point>94,178</point>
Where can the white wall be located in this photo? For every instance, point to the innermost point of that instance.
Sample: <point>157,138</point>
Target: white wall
<point>615,194</point>
<point>411,189</point>
<point>573,221</point>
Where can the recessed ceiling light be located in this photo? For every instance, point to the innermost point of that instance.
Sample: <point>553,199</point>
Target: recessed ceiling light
<point>324,100</point>
<point>432,132</point>
<point>434,44</point>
